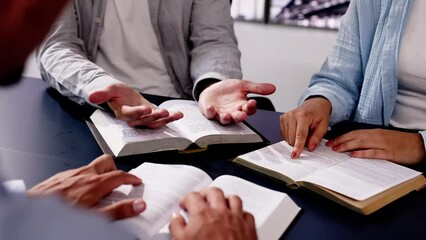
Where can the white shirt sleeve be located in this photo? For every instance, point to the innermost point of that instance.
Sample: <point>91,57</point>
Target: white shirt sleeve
<point>51,219</point>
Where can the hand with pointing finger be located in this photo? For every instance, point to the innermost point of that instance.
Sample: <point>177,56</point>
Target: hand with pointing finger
<point>306,125</point>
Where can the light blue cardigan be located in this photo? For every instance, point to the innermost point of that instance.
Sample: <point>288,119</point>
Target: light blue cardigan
<point>360,76</point>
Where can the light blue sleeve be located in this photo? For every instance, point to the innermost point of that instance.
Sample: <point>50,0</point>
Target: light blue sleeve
<point>51,219</point>
<point>340,78</point>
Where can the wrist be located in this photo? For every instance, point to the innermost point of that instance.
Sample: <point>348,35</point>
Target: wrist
<point>321,101</point>
<point>202,85</point>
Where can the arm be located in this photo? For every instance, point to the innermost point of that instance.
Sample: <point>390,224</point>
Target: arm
<point>216,66</point>
<point>335,89</point>
<point>341,76</point>
<point>215,52</point>
<point>64,62</point>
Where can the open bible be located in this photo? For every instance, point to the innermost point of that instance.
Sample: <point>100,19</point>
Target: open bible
<point>363,185</point>
<point>164,185</point>
<point>193,131</point>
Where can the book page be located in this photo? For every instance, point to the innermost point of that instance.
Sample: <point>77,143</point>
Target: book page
<point>361,179</point>
<point>273,211</point>
<point>194,125</point>
<point>163,187</point>
<point>276,157</point>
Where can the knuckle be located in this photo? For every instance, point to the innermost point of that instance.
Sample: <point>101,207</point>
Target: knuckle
<point>301,114</point>
<point>235,198</point>
<point>191,195</point>
<point>301,135</point>
<point>216,190</point>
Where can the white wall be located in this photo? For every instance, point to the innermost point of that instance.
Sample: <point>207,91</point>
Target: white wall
<point>285,56</point>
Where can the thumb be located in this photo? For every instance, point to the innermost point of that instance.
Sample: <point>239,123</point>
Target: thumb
<point>100,96</point>
<point>177,226</point>
<point>258,88</point>
<point>124,209</point>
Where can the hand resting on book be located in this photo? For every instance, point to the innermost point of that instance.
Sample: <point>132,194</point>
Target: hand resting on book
<point>130,106</point>
<point>213,216</point>
<point>306,125</point>
<point>392,145</point>
<point>87,185</point>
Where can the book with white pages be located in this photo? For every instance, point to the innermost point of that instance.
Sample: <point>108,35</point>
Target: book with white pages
<point>193,132</point>
<point>363,185</point>
<point>164,185</point>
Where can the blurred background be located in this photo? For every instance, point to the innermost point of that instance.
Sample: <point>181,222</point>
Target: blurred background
<point>282,41</point>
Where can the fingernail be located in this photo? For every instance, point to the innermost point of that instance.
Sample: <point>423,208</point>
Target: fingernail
<point>335,148</point>
<point>312,147</point>
<point>329,143</point>
<point>139,205</point>
<point>293,155</point>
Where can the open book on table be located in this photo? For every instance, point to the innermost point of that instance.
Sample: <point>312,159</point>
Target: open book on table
<point>182,134</point>
<point>164,185</point>
<point>363,185</point>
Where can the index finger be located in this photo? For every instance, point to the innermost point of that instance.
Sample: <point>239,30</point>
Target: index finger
<point>111,180</point>
<point>302,130</point>
<point>164,121</point>
<point>102,164</point>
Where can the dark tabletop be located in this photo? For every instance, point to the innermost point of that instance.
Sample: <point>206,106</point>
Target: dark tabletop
<point>43,133</point>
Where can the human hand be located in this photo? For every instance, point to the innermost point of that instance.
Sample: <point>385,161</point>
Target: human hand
<point>213,216</point>
<point>226,101</point>
<point>306,125</point>
<point>87,185</point>
<point>395,146</point>
<point>131,107</point>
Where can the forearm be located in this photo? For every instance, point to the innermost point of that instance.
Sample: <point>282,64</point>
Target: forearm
<point>67,69</point>
<point>64,62</point>
<point>341,76</point>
